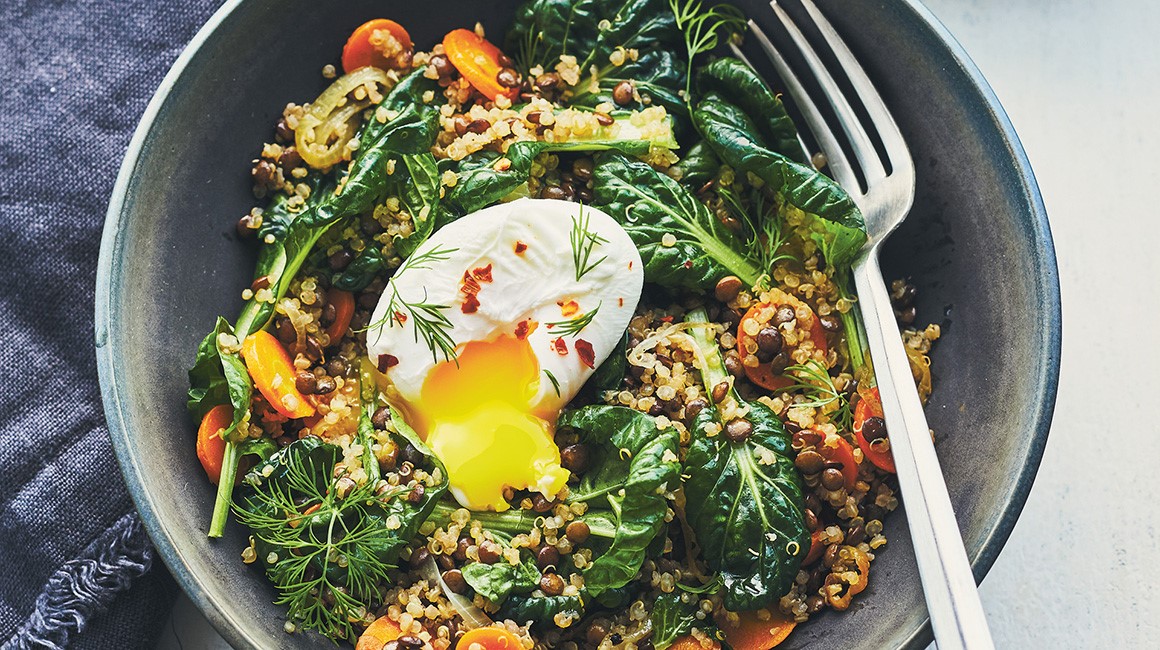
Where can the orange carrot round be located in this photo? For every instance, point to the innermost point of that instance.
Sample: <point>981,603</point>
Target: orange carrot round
<point>870,406</point>
<point>343,302</point>
<point>378,634</point>
<point>478,61</point>
<point>816,548</point>
<point>753,633</point>
<point>360,49</point>
<point>763,373</point>
<point>835,448</point>
<point>690,642</point>
<point>489,638</point>
<point>210,445</point>
<point>273,373</point>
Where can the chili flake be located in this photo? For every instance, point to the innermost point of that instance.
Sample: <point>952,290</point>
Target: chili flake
<point>568,308</point>
<point>587,354</point>
<point>386,361</point>
<point>525,327</point>
<point>561,346</point>
<point>521,247</point>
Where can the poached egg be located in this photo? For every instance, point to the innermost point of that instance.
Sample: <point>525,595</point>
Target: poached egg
<point>492,326</point>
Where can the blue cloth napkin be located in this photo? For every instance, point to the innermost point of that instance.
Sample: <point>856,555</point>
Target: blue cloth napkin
<point>75,77</point>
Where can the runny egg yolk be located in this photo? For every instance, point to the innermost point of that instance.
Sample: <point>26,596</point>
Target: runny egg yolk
<point>479,419</point>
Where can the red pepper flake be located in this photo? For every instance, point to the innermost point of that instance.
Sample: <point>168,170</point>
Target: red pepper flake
<point>569,308</point>
<point>525,327</point>
<point>620,302</point>
<point>561,346</point>
<point>688,264</point>
<point>483,273</point>
<point>587,355</point>
<point>521,247</point>
<point>469,286</point>
<point>400,317</point>
<point>387,361</point>
<point>630,265</point>
<point>470,304</point>
<point>666,319</point>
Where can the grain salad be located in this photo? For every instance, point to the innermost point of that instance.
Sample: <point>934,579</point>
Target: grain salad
<point>551,343</point>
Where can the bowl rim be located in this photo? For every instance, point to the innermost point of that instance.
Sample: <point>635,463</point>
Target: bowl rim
<point>233,629</point>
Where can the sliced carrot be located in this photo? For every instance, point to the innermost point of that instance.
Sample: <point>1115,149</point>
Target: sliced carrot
<point>360,50</point>
<point>478,61</point>
<point>273,373</point>
<point>343,302</point>
<point>754,633</point>
<point>690,642</point>
<point>763,374</point>
<point>378,634</point>
<point>835,448</point>
<point>489,638</point>
<point>210,446</point>
<point>870,406</point>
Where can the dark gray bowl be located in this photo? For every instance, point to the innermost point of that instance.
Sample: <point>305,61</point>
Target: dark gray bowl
<point>977,244</point>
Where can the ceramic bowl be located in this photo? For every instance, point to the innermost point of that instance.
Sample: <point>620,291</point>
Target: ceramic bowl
<point>977,245</point>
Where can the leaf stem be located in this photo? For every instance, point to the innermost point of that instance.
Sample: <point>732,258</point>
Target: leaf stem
<point>224,498</point>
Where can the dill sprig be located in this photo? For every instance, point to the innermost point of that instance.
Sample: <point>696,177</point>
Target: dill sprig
<point>813,381</point>
<point>765,224</point>
<point>702,28</point>
<point>573,326</point>
<point>555,382</point>
<point>427,318</point>
<point>584,241</point>
<point>327,564</point>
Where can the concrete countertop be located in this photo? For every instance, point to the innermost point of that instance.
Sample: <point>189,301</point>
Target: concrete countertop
<point>1079,80</point>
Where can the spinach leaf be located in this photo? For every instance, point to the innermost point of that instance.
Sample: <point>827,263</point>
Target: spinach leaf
<point>326,553</point>
<point>362,271</point>
<point>610,374</point>
<point>652,206</point>
<point>635,465</point>
<point>496,582</point>
<point>540,609</point>
<point>743,500</point>
<point>591,31</point>
<point>419,191</point>
<point>698,166</point>
<point>218,378</point>
<point>672,618</point>
<point>738,84</point>
<point>836,223</point>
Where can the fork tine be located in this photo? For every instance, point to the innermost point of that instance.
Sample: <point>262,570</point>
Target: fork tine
<point>839,165</point>
<point>860,141</point>
<point>896,150</point>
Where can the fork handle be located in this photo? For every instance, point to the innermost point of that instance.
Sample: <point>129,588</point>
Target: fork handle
<point>956,613</point>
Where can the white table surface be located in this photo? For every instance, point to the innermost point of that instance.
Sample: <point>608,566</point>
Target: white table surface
<point>1080,80</point>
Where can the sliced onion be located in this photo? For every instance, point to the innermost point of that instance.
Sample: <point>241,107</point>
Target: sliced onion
<point>472,616</point>
<point>334,115</point>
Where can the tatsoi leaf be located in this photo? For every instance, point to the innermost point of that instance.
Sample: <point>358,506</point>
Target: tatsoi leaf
<point>672,618</point>
<point>681,244</point>
<point>601,34</point>
<point>698,166</point>
<point>636,464</point>
<point>738,84</point>
<point>420,193</point>
<point>541,609</point>
<point>496,582</point>
<point>743,500</point>
<point>219,379</point>
<point>835,220</point>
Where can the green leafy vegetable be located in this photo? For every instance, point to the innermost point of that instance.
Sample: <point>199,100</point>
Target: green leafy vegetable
<point>362,271</point>
<point>541,609</point>
<point>610,374</point>
<point>327,553</point>
<point>743,500</point>
<point>625,488</point>
<point>497,581</point>
<point>698,166</point>
<point>681,244</point>
<point>597,33</point>
<point>835,221</point>
<point>737,83</point>
<point>216,379</point>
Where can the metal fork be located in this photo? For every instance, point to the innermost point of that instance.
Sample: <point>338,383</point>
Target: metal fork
<point>952,599</point>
